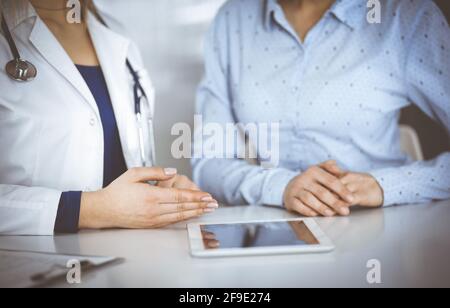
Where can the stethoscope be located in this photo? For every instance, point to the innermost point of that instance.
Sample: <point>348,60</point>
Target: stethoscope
<point>17,69</point>
<point>24,71</point>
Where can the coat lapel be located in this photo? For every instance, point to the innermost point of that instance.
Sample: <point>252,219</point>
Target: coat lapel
<point>52,51</point>
<point>112,52</point>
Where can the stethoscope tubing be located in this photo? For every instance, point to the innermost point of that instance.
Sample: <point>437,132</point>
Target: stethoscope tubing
<point>9,39</point>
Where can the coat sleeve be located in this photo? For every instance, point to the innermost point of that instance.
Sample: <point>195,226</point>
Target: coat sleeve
<point>28,210</point>
<point>23,210</point>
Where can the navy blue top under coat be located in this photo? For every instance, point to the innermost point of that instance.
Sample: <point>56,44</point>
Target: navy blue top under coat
<point>114,162</point>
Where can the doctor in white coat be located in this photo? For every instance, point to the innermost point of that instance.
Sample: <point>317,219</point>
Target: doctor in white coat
<point>53,132</point>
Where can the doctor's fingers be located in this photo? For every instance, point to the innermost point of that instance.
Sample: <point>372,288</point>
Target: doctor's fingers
<point>174,195</point>
<point>206,207</point>
<point>146,174</point>
<point>180,182</point>
<point>183,182</point>
<point>168,219</point>
<point>166,184</point>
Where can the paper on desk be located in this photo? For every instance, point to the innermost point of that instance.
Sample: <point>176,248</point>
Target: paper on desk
<point>18,267</point>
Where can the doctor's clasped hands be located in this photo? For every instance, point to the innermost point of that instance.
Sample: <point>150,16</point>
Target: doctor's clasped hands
<point>131,203</point>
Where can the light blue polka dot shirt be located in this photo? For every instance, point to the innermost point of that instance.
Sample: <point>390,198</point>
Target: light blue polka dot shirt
<point>337,95</point>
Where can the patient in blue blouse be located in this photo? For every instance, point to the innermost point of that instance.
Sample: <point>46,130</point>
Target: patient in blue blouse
<point>336,83</point>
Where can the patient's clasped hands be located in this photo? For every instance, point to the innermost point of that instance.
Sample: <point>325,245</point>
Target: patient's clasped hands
<point>327,190</point>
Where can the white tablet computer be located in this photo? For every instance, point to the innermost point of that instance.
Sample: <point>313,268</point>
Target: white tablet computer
<point>293,236</point>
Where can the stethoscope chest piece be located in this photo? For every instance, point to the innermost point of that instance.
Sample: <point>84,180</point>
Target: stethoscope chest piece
<point>17,69</point>
<point>20,70</point>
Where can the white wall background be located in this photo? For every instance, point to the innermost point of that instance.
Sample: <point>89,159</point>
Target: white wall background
<point>170,35</point>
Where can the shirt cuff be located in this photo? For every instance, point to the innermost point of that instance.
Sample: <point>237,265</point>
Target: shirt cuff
<point>392,184</point>
<point>275,187</point>
<point>67,219</point>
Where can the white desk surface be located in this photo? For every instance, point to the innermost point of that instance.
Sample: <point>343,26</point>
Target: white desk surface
<point>412,243</point>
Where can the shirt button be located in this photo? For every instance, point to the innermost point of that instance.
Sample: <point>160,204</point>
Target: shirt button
<point>92,122</point>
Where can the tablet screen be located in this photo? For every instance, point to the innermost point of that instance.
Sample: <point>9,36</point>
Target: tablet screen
<point>252,235</point>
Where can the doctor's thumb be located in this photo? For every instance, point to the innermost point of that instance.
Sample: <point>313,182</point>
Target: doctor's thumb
<point>147,174</point>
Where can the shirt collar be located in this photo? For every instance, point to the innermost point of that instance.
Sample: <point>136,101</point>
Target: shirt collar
<point>271,6</point>
<point>349,12</point>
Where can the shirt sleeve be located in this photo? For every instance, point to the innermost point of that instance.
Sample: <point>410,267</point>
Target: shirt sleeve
<point>67,218</point>
<point>230,180</point>
<point>428,81</point>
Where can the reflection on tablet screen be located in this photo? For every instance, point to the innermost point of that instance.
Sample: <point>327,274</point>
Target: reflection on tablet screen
<point>251,235</point>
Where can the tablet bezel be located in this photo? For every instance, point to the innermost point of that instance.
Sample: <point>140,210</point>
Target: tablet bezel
<point>198,249</point>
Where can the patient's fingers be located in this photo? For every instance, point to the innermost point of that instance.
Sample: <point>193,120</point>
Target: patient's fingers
<point>330,199</point>
<point>315,204</point>
<point>350,178</point>
<point>353,187</point>
<point>302,209</point>
<point>334,184</point>
<point>332,167</point>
